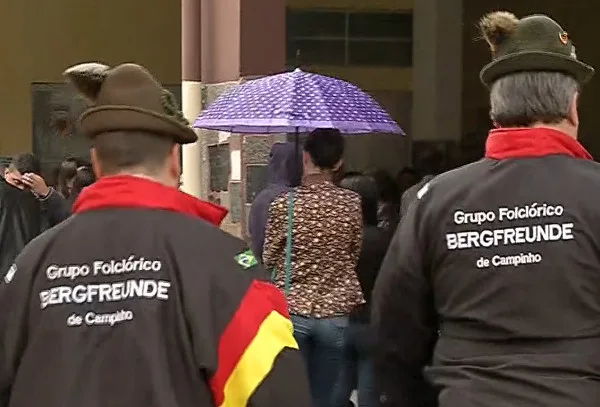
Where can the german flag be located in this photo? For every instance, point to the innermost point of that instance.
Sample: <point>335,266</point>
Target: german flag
<point>258,332</point>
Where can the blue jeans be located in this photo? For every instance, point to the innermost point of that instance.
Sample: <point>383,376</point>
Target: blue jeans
<point>321,342</point>
<point>357,369</point>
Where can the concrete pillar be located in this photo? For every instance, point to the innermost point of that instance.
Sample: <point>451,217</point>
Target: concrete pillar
<point>437,70</point>
<point>240,39</point>
<point>191,92</point>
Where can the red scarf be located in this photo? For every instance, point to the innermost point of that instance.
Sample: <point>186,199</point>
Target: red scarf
<point>532,142</point>
<point>127,191</point>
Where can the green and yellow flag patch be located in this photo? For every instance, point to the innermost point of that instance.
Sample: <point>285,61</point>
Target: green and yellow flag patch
<point>246,259</point>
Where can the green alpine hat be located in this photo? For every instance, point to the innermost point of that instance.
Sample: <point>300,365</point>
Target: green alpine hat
<point>533,43</point>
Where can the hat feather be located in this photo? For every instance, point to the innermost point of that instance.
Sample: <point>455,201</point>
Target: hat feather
<point>87,78</point>
<point>497,26</point>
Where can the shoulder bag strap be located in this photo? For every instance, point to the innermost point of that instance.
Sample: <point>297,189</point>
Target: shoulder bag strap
<point>288,246</point>
<point>288,243</point>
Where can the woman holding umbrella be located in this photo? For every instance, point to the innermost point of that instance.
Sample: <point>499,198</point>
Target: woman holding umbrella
<point>312,243</point>
<point>314,234</point>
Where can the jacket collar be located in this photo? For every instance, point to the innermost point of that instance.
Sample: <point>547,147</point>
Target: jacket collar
<point>126,191</point>
<point>532,142</point>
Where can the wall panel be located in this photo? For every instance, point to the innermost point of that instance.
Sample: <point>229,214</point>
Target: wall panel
<point>39,39</point>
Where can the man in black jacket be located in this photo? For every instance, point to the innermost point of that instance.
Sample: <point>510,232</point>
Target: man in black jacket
<point>492,278</point>
<point>21,215</point>
<point>139,299</point>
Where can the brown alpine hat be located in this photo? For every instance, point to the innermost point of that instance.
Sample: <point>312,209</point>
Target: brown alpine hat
<point>127,97</point>
<point>533,43</point>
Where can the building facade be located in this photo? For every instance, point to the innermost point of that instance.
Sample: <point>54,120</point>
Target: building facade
<point>419,59</point>
<point>38,40</point>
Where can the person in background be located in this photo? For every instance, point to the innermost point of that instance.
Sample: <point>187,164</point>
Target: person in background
<point>84,178</point>
<point>406,178</point>
<point>339,174</point>
<point>285,172</point>
<point>316,267</point>
<point>51,177</point>
<point>433,163</point>
<point>388,212</point>
<point>357,368</point>
<point>140,299</point>
<point>66,174</point>
<point>57,207</point>
<point>53,203</point>
<point>21,215</point>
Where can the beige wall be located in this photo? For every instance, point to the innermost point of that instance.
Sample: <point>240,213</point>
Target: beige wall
<point>39,39</point>
<point>371,79</point>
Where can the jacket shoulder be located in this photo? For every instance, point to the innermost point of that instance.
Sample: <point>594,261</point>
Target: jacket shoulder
<point>587,168</point>
<point>461,175</point>
<point>442,185</point>
<point>200,243</point>
<point>350,196</point>
<point>280,199</point>
<point>182,227</point>
<point>34,250</point>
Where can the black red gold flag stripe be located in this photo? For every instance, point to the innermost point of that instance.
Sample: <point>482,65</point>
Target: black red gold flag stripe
<point>258,332</point>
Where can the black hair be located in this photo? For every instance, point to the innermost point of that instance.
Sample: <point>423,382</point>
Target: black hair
<point>433,162</point>
<point>388,189</point>
<point>26,162</point>
<point>366,187</point>
<point>406,178</point>
<point>407,171</point>
<point>81,162</point>
<point>84,178</point>
<point>66,173</point>
<point>52,176</point>
<point>325,147</point>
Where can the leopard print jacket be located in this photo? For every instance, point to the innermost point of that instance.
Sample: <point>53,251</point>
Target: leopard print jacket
<point>327,237</point>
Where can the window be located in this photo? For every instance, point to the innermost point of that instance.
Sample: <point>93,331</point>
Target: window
<point>314,51</point>
<point>379,25</point>
<point>349,38</point>
<point>382,53</point>
<point>316,24</point>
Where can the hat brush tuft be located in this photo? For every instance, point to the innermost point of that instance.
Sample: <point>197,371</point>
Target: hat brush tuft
<point>497,27</point>
<point>87,78</point>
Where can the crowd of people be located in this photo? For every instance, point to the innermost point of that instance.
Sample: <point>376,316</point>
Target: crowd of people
<point>30,204</point>
<point>344,224</point>
<point>324,233</point>
<point>472,287</point>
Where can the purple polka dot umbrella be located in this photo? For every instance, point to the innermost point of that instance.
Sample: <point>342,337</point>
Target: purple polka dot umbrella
<point>296,102</point>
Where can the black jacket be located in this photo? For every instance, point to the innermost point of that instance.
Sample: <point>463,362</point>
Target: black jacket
<point>502,257</point>
<point>410,195</point>
<point>56,207</point>
<point>139,300</point>
<point>374,247</point>
<point>21,219</point>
